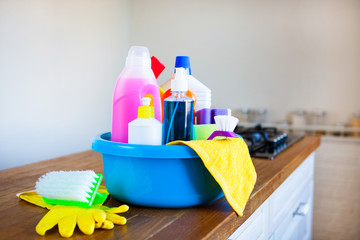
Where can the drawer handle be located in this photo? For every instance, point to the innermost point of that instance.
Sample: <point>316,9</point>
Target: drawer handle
<point>302,209</point>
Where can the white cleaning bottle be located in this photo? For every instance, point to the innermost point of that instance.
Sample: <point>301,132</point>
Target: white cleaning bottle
<point>202,92</point>
<point>145,129</point>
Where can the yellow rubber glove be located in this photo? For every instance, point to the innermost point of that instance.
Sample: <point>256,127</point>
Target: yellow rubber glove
<point>87,219</point>
<point>66,217</point>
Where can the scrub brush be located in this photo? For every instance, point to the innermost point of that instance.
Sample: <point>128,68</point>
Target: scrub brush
<point>225,125</point>
<point>72,188</point>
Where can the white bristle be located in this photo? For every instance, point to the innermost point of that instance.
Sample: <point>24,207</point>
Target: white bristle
<point>226,123</point>
<point>67,185</point>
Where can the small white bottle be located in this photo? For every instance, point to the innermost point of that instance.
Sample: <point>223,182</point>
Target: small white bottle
<point>145,129</point>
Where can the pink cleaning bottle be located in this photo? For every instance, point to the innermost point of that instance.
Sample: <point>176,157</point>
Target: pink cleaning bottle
<point>135,81</point>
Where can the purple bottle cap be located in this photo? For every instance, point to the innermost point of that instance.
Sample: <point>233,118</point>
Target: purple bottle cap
<point>206,115</point>
<point>203,116</point>
<point>218,112</point>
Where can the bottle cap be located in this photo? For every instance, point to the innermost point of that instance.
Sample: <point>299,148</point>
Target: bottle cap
<point>145,111</point>
<point>180,82</point>
<point>138,56</point>
<point>183,62</point>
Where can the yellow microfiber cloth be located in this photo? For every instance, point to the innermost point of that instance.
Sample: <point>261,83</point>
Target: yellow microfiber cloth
<point>228,160</point>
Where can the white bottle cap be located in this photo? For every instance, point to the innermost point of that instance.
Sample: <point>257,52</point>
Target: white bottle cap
<point>138,56</point>
<point>146,101</point>
<point>180,82</point>
<point>145,111</point>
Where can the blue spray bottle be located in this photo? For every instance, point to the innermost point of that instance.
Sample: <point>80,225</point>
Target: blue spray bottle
<point>178,110</point>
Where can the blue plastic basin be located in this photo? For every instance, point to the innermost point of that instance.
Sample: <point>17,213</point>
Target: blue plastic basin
<point>155,176</point>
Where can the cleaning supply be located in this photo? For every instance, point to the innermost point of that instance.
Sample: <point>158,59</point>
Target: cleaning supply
<point>156,66</point>
<point>155,176</point>
<point>228,160</point>
<point>67,217</point>
<point>73,188</point>
<point>135,81</point>
<point>168,93</point>
<point>206,115</point>
<point>87,219</point>
<point>178,110</point>
<point>225,126</point>
<point>203,116</point>
<point>202,93</point>
<point>203,131</point>
<point>36,199</point>
<point>145,129</point>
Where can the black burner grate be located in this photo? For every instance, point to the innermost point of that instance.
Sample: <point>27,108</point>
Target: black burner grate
<point>266,142</point>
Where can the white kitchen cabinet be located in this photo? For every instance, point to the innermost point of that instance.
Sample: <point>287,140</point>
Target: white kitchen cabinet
<point>255,226</point>
<point>287,213</point>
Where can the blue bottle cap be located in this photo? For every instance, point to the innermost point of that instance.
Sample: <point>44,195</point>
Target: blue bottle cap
<point>183,62</point>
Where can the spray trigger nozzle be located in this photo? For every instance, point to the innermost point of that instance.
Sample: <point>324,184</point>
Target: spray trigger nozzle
<point>180,82</point>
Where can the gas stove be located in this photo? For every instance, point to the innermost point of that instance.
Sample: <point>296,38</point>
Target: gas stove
<point>266,142</point>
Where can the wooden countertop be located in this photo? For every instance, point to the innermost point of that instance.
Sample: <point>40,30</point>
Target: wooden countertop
<point>216,220</point>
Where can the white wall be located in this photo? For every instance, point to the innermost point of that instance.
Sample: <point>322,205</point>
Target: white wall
<point>59,61</point>
<point>281,55</point>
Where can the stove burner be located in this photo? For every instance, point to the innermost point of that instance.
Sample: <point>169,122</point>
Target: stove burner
<point>266,142</point>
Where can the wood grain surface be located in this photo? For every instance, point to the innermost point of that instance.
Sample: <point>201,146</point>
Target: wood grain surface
<point>216,220</point>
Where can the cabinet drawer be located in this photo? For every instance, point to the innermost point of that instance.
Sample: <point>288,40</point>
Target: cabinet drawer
<point>254,227</point>
<point>279,217</point>
<point>286,196</point>
<point>296,223</point>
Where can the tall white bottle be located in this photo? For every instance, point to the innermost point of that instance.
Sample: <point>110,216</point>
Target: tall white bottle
<point>145,129</point>
<point>202,92</point>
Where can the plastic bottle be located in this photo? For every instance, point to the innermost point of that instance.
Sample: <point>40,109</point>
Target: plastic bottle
<point>168,93</point>
<point>145,129</point>
<point>202,93</point>
<point>178,110</point>
<point>135,81</point>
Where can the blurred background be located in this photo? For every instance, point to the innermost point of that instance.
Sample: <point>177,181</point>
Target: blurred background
<point>291,63</point>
